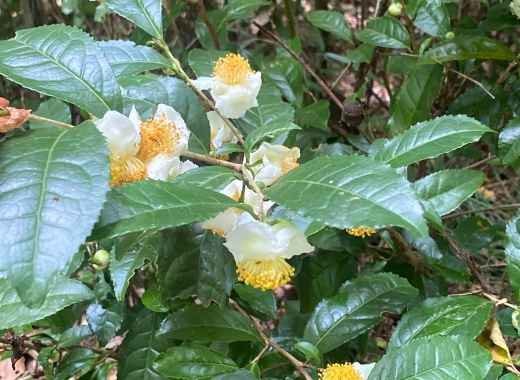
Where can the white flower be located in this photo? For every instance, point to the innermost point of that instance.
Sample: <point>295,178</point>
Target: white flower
<point>227,220</point>
<point>515,7</point>
<point>233,86</point>
<point>275,161</point>
<point>163,167</point>
<point>260,251</point>
<point>220,133</point>
<point>137,146</point>
<point>346,371</point>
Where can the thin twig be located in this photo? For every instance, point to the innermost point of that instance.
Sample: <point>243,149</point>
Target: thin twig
<point>484,209</point>
<point>502,78</point>
<point>212,160</point>
<point>42,119</point>
<point>475,82</point>
<point>305,65</point>
<point>211,28</point>
<point>300,366</point>
<point>343,72</point>
<point>490,157</point>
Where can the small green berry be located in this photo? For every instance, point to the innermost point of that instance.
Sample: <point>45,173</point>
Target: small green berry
<point>449,36</point>
<point>395,9</point>
<point>100,259</point>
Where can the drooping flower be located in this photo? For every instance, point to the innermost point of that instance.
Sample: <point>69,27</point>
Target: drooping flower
<point>234,85</point>
<point>227,220</point>
<point>515,7</point>
<point>220,133</point>
<point>346,371</point>
<point>145,149</point>
<point>270,162</point>
<point>260,251</point>
<point>11,117</point>
<point>361,231</point>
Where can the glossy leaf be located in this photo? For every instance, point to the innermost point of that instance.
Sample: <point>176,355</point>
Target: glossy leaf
<point>509,142</point>
<point>146,14</point>
<point>385,32</point>
<point>356,308</point>
<point>330,21</point>
<point>77,362</point>
<point>64,62</point>
<point>193,363</point>
<point>207,177</point>
<point>413,102</point>
<point>353,191</point>
<point>52,109</point>
<point>267,132</point>
<point>446,190</point>
<point>462,315</point>
<point>150,205</point>
<point>64,293</point>
<point>429,139</point>
<point>315,115</point>
<point>446,358</point>
<point>242,9</point>
<point>52,187</point>
<point>103,322</point>
<point>513,255</point>
<point>259,302</point>
<point>195,266</point>
<point>432,17</point>
<point>202,61</point>
<point>265,116</point>
<point>145,92</point>
<point>211,324</point>
<point>127,58</point>
<point>237,375</point>
<point>468,47</point>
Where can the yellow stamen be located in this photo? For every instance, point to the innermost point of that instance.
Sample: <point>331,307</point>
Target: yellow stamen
<point>232,69</point>
<point>289,164</point>
<point>340,372</point>
<point>126,170</point>
<point>361,231</point>
<point>158,135</point>
<point>265,274</point>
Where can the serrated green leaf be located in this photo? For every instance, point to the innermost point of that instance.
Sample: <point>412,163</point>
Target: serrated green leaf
<point>77,362</point>
<point>63,62</point>
<point>202,61</point>
<point>432,17</point>
<point>145,340</point>
<point>385,32</point>
<point>446,358</point>
<point>242,9</point>
<point>446,190</point>
<point>238,375</point>
<point>464,315</point>
<point>52,109</point>
<point>103,322</point>
<point>52,187</point>
<point>129,254</point>
<point>315,115</point>
<point>512,252</point>
<point>195,266</point>
<point>468,47</point>
<point>429,139</point>
<point>350,191</point>
<point>269,131</point>
<point>413,102</point>
<point>268,115</point>
<point>509,142</point>
<point>193,363</point>
<point>356,308</point>
<point>258,302</point>
<point>207,177</point>
<point>146,14</point>
<point>211,324</point>
<point>14,313</point>
<point>330,21</point>
<point>145,92</point>
<point>154,205</point>
<point>127,58</point>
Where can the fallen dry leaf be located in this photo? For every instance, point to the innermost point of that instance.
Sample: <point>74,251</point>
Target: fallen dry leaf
<point>493,340</point>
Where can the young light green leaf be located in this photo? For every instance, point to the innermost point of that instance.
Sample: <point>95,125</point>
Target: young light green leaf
<point>446,358</point>
<point>193,363</point>
<point>350,191</point>
<point>64,62</point>
<point>146,91</point>
<point>413,103</point>
<point>52,187</point>
<point>468,47</point>
<point>513,255</point>
<point>464,315</point>
<point>448,189</point>
<point>385,32</point>
<point>332,22</point>
<point>212,324</point>
<point>64,293</point>
<point>150,205</point>
<point>432,17</point>
<point>356,308</point>
<point>429,139</point>
<point>146,14</point>
<point>127,58</point>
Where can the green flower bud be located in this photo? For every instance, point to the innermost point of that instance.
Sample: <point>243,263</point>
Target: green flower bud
<point>100,259</point>
<point>395,9</point>
<point>449,35</point>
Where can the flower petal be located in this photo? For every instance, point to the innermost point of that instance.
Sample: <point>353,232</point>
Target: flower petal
<point>364,369</point>
<point>175,117</point>
<point>203,83</point>
<point>122,136</point>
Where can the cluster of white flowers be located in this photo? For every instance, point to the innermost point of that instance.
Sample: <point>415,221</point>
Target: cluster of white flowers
<point>145,149</point>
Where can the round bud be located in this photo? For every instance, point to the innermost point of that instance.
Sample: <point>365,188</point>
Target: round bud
<point>100,259</point>
<point>395,9</point>
<point>449,35</point>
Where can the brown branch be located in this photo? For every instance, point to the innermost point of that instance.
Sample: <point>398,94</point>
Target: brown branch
<point>203,14</point>
<point>212,160</point>
<point>485,209</point>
